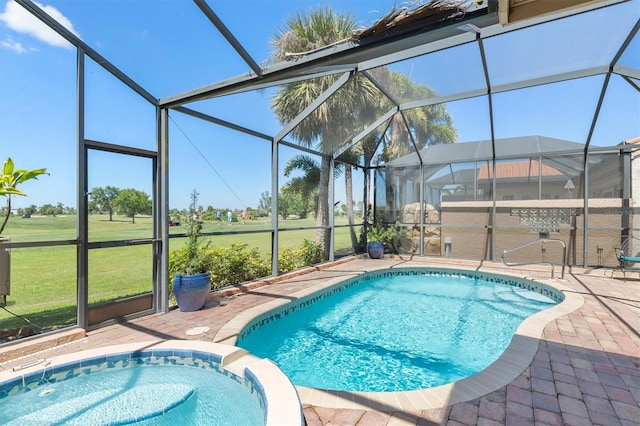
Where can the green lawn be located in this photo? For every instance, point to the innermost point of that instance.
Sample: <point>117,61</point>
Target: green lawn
<point>43,279</point>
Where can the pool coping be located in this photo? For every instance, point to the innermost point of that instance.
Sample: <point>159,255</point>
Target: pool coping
<point>281,402</point>
<point>515,359</point>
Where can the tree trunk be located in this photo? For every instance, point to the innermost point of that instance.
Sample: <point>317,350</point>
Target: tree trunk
<point>8,214</point>
<point>322,217</point>
<point>348,183</point>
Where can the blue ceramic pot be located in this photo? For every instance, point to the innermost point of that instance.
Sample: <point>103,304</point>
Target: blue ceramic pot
<point>192,291</point>
<point>375,249</point>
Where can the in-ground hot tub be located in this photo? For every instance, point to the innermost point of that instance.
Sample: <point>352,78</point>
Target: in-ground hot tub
<point>151,383</point>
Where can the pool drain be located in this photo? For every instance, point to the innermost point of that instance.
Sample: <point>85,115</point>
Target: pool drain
<point>196,331</point>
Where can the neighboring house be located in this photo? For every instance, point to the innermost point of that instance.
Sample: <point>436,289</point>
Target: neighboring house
<point>533,168</point>
<point>519,180</point>
<point>539,188</point>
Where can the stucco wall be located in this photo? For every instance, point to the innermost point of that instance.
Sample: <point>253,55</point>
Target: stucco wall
<point>469,226</point>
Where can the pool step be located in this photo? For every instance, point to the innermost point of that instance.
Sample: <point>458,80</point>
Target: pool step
<point>111,406</point>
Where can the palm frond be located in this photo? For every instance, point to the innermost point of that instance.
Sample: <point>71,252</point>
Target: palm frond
<point>411,13</point>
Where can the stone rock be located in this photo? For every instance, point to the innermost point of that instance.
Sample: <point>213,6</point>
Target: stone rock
<point>411,213</point>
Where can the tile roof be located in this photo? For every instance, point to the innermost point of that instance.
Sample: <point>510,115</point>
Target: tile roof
<point>518,169</point>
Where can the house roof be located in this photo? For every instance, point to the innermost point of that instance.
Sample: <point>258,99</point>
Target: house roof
<point>518,169</point>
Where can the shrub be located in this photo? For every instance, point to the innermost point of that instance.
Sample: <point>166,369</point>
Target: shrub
<point>312,252</point>
<point>209,216</point>
<point>236,264</point>
<point>308,253</point>
<point>400,241</point>
<point>380,234</point>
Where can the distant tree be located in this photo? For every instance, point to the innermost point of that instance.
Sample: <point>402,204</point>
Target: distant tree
<point>265,202</point>
<point>51,210</point>
<point>131,202</point>
<point>287,202</point>
<point>47,209</point>
<point>93,207</point>
<point>105,198</point>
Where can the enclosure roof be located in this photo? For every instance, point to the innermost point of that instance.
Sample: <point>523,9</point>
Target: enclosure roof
<point>500,69</point>
<point>405,40</point>
<point>353,55</point>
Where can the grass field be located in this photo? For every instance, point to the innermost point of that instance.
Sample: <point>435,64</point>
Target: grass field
<point>43,279</point>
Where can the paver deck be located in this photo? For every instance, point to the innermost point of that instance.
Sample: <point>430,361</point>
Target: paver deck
<point>586,370</point>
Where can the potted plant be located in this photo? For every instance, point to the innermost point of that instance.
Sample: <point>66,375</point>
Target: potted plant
<point>393,238</point>
<point>9,181</point>
<point>377,237</point>
<point>189,266</point>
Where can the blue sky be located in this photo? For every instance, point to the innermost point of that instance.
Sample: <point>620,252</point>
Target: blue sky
<point>168,47</point>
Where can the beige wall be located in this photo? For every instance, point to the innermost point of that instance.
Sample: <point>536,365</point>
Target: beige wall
<point>469,226</point>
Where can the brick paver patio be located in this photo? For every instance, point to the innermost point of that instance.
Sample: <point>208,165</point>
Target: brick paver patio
<point>586,370</point>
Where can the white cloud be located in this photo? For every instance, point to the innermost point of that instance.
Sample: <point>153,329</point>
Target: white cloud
<point>20,20</point>
<point>8,43</point>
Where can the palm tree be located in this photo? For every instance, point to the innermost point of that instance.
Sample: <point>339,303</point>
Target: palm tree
<point>331,123</point>
<point>430,125</point>
<point>351,156</point>
<point>359,101</point>
<point>306,185</point>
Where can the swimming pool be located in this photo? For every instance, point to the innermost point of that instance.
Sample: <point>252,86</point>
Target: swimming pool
<point>165,383</point>
<point>396,330</point>
<point>514,359</point>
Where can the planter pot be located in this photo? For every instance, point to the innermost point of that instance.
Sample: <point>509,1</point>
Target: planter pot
<point>375,249</point>
<point>192,291</point>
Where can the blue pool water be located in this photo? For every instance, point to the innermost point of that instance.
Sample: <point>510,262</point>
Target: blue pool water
<point>142,394</point>
<point>411,330</point>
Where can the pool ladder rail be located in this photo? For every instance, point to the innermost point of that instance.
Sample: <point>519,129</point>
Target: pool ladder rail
<point>544,238</point>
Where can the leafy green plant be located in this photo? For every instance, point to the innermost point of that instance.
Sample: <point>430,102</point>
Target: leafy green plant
<point>236,264</point>
<point>9,181</point>
<point>291,258</point>
<point>400,241</point>
<point>192,259</point>
<point>311,252</point>
<point>186,261</point>
<point>380,233</point>
<point>394,237</point>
